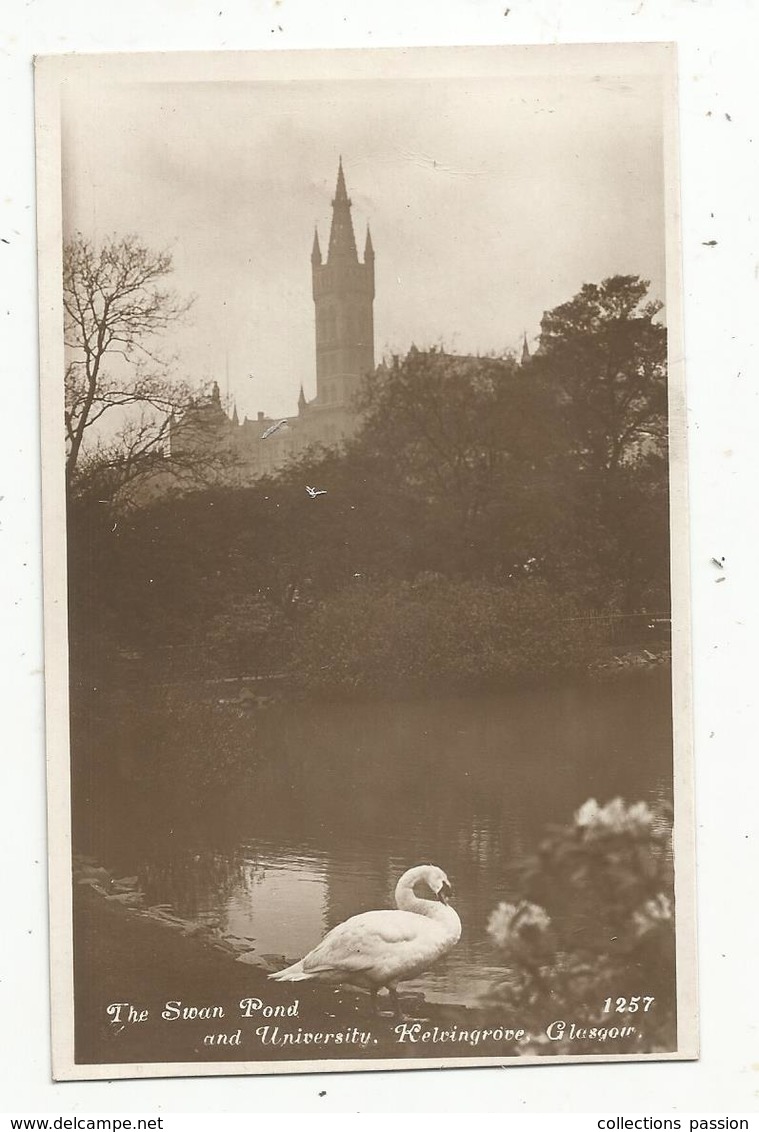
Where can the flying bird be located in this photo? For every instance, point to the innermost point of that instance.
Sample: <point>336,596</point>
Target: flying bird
<point>313,492</point>
<point>382,948</point>
<point>273,428</point>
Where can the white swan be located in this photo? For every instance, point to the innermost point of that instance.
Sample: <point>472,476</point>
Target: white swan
<point>379,949</point>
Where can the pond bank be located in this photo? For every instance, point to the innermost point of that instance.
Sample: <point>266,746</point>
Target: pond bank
<point>253,692</point>
<point>631,660</point>
<point>122,960</point>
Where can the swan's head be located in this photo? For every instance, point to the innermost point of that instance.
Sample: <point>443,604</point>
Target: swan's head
<point>445,891</point>
<point>433,877</point>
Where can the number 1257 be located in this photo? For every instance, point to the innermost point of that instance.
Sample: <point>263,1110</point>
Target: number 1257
<point>629,1005</point>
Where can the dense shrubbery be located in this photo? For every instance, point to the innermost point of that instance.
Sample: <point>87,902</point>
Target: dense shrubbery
<point>403,636</point>
<point>602,933</point>
<point>505,488</point>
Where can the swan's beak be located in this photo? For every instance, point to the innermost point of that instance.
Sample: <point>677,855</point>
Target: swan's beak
<point>444,892</point>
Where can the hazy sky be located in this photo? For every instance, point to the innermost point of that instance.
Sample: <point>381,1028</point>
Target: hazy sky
<point>490,200</point>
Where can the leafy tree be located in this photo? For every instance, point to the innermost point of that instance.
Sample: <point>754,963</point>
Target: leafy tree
<point>115,307</point>
<point>606,357</point>
<point>603,355</point>
<point>472,439</point>
<point>454,425</point>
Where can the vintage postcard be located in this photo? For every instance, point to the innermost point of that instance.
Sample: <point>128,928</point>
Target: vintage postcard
<point>367,625</point>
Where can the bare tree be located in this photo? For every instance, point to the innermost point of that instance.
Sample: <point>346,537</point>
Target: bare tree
<point>115,307</point>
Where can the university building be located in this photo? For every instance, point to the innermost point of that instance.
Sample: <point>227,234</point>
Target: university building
<point>343,293</point>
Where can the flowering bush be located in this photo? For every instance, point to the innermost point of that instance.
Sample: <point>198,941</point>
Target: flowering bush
<point>614,817</point>
<point>598,926</point>
<point>514,926</point>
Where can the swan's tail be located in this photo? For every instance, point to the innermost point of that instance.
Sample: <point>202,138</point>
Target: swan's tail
<point>294,974</point>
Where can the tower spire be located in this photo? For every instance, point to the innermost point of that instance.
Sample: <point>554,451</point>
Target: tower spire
<point>341,193</point>
<point>343,290</point>
<point>525,349</point>
<point>342,242</point>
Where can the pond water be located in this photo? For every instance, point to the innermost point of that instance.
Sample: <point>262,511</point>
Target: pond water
<point>348,797</point>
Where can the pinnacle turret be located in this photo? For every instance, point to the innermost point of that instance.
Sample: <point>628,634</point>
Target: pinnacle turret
<point>316,252</point>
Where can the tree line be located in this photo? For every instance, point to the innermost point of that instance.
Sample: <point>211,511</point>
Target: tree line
<point>473,483</point>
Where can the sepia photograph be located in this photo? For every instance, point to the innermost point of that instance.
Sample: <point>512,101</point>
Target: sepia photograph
<point>366,590</point>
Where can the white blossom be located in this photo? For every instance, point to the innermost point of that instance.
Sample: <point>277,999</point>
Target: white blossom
<point>508,921</point>
<point>615,817</point>
<point>656,911</point>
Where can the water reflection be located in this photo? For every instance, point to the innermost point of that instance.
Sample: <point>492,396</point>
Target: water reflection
<point>286,903</point>
<point>347,798</point>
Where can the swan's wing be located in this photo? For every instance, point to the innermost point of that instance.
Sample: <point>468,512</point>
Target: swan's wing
<point>363,941</point>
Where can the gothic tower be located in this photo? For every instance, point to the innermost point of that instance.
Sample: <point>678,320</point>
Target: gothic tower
<point>343,290</point>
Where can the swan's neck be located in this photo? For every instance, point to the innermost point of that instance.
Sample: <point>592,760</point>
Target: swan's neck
<point>407,901</point>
